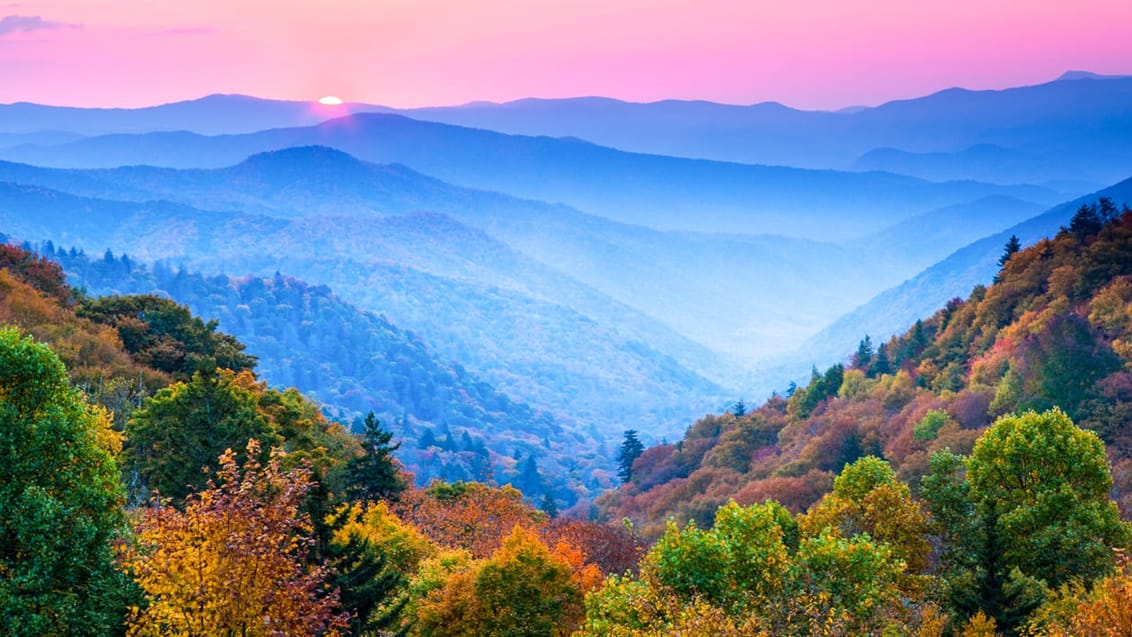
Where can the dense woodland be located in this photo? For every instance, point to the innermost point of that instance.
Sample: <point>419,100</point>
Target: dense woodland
<point>354,362</point>
<point>1053,330</point>
<point>955,480</point>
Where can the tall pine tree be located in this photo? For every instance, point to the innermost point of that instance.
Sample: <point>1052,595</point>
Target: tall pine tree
<point>631,449</point>
<point>374,475</point>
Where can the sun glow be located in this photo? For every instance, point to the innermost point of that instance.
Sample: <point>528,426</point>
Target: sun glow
<point>330,100</point>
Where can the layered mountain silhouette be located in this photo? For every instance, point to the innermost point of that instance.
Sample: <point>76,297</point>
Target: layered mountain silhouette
<point>649,190</point>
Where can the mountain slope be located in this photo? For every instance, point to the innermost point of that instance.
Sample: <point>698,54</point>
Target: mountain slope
<point>976,264</point>
<point>354,362</point>
<point>914,244</point>
<point>1054,331</point>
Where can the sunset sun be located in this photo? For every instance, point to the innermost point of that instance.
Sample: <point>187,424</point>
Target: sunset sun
<point>330,100</point>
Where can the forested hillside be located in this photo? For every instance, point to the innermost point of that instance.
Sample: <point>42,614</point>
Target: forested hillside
<point>456,427</point>
<point>139,398</point>
<point>296,527</point>
<point>1053,330</point>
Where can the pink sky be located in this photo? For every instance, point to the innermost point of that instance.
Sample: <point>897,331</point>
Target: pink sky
<point>804,53</point>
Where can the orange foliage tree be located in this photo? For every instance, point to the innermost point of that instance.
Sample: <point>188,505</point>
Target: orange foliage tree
<point>467,515</point>
<point>233,561</point>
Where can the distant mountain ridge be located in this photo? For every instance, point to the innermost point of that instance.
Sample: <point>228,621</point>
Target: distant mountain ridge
<point>210,115</point>
<point>1075,127</point>
<point>1072,129</point>
<point>650,190</point>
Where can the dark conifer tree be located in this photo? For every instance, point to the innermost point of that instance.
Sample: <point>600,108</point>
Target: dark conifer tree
<point>1085,222</point>
<point>365,582</point>
<point>529,481</point>
<point>864,354</point>
<point>374,475</point>
<point>880,365</point>
<point>631,449</point>
<point>1013,245</point>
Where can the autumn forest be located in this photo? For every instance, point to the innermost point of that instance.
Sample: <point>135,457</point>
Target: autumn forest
<point>967,477</point>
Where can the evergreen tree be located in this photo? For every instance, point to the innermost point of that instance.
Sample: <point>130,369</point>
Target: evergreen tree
<point>374,475</point>
<point>529,481</point>
<point>1087,221</point>
<point>881,364</point>
<point>365,581</point>
<point>864,354</point>
<point>631,449</point>
<point>1013,245</point>
<point>738,408</point>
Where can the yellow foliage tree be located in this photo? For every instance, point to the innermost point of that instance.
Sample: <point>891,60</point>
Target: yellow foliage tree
<point>232,562</point>
<point>402,544</point>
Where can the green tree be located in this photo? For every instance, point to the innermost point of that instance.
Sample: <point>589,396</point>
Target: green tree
<point>1042,485</point>
<point>868,499</point>
<point>880,365</point>
<point>375,474</point>
<point>60,500</point>
<point>522,590</point>
<point>928,427</point>
<point>958,532</point>
<point>631,449</point>
<point>366,584</point>
<point>186,426</point>
<point>163,335</point>
<point>1032,514</point>
<point>845,586</point>
<point>864,354</point>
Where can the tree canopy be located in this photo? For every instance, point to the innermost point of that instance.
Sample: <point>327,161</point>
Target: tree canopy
<point>60,499</point>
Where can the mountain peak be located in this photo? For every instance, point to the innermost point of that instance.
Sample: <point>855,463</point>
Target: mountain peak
<point>313,151</point>
<point>302,163</point>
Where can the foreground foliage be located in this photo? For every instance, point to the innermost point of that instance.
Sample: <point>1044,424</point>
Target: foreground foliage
<point>232,562</point>
<point>60,500</point>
